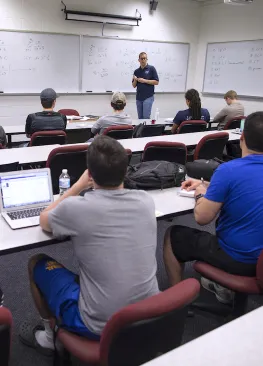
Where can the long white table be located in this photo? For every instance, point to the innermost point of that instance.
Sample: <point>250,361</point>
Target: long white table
<point>167,202</point>
<point>238,343</point>
<point>35,154</point>
<point>74,126</point>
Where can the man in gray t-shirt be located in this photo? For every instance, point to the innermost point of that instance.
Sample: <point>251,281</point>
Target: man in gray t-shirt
<point>233,109</point>
<point>113,231</point>
<point>117,118</point>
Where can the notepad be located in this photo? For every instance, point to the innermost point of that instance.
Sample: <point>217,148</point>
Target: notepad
<point>186,193</point>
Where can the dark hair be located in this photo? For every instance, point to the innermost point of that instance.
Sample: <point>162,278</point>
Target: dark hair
<point>118,106</point>
<point>47,103</point>
<point>142,53</point>
<point>107,161</point>
<point>231,94</point>
<point>253,132</point>
<point>195,103</point>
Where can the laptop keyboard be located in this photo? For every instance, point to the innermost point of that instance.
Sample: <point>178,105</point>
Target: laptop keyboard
<point>24,214</point>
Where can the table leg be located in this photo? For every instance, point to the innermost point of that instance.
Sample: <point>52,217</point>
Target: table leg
<point>9,141</point>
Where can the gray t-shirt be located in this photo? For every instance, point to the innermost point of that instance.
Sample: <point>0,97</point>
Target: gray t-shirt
<point>3,140</point>
<point>229,112</point>
<point>115,119</point>
<point>114,234</point>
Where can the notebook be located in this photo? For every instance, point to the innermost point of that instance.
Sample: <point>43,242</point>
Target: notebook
<point>24,194</point>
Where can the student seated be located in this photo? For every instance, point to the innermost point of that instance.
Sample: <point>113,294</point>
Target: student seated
<point>118,117</point>
<point>235,193</point>
<point>233,109</point>
<point>3,140</point>
<point>47,120</point>
<point>194,111</point>
<point>114,234</point>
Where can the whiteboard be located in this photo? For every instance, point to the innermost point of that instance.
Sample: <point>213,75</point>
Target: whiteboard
<point>30,62</point>
<point>234,65</point>
<point>109,64</point>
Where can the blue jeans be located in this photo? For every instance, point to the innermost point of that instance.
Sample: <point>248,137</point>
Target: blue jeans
<point>144,108</point>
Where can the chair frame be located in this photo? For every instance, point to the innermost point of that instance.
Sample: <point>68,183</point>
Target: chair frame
<point>46,133</point>
<point>69,112</point>
<point>118,128</point>
<point>191,122</point>
<point>202,142</point>
<point>228,124</point>
<point>164,144</point>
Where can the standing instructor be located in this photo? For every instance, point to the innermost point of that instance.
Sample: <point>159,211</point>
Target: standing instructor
<point>144,78</point>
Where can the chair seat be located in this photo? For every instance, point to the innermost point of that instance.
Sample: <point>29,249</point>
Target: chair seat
<point>236,283</point>
<point>82,348</point>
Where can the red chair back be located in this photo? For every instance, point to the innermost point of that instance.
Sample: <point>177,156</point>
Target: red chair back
<point>72,158</point>
<point>211,146</point>
<point>6,322</point>
<point>260,271</point>
<point>48,138</point>
<point>174,152</point>
<point>138,332</point>
<point>119,132</point>
<point>192,126</point>
<point>234,123</point>
<point>69,112</point>
<point>1,146</point>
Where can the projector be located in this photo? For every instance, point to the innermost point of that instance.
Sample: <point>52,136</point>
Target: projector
<point>238,2</point>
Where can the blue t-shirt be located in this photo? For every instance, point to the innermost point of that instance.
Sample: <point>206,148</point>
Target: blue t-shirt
<point>238,184</point>
<point>145,91</point>
<point>186,115</point>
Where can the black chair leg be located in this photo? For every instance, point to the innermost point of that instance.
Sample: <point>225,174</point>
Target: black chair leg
<point>240,305</point>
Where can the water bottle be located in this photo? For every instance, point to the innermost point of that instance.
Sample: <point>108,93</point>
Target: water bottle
<point>157,114</point>
<point>64,182</point>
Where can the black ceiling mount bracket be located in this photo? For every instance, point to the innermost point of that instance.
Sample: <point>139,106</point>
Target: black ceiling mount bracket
<point>85,16</point>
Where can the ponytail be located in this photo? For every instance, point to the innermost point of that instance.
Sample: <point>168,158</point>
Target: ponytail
<point>195,103</point>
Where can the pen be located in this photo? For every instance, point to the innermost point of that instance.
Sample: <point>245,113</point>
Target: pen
<point>203,182</point>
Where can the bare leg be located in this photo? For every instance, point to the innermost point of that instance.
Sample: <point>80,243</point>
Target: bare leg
<point>39,300</point>
<point>173,267</point>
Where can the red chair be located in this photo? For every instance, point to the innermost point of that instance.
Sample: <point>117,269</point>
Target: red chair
<point>48,138</point>
<point>211,146</point>
<point>192,126</point>
<point>6,323</point>
<point>1,146</point>
<point>69,112</point>
<point>72,158</point>
<point>241,285</point>
<point>174,152</point>
<point>119,132</point>
<point>138,332</point>
<point>234,123</point>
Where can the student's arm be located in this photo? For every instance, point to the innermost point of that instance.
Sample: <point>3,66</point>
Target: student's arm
<point>96,127</point>
<point>208,207</point>
<point>84,182</point>
<point>220,115</point>
<point>176,122</point>
<point>28,126</point>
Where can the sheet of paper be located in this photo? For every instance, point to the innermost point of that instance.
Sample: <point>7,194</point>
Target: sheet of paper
<point>186,193</point>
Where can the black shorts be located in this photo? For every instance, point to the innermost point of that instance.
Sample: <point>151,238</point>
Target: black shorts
<point>192,244</point>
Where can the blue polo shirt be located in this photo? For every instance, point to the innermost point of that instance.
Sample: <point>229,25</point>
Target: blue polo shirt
<point>238,184</point>
<point>145,91</point>
<point>186,115</point>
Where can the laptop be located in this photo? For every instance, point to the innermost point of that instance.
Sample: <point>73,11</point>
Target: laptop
<point>240,130</point>
<point>24,194</point>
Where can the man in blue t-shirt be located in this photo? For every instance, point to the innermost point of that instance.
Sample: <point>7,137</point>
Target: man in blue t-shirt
<point>235,193</point>
<point>144,78</point>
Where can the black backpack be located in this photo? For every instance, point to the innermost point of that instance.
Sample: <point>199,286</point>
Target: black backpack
<point>155,174</point>
<point>137,131</point>
<point>202,168</point>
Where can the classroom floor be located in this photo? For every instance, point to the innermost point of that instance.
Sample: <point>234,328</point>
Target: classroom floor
<point>14,282</point>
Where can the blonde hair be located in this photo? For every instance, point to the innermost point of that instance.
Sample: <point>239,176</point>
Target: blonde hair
<point>231,94</point>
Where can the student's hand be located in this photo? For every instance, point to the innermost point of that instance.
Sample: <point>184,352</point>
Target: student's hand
<point>191,184</point>
<point>85,181</point>
<point>141,80</point>
<point>201,189</point>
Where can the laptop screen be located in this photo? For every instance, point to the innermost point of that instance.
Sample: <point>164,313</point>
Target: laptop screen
<point>24,189</point>
<point>242,123</point>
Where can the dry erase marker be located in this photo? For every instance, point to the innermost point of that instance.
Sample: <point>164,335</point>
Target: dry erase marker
<point>88,91</point>
<point>108,91</point>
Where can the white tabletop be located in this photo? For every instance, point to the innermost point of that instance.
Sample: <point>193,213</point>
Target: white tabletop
<point>27,155</point>
<point>167,203</point>
<point>238,343</point>
<point>77,125</point>
<point>189,139</point>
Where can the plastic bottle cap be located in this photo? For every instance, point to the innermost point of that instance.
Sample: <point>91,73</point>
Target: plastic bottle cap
<point>65,171</point>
